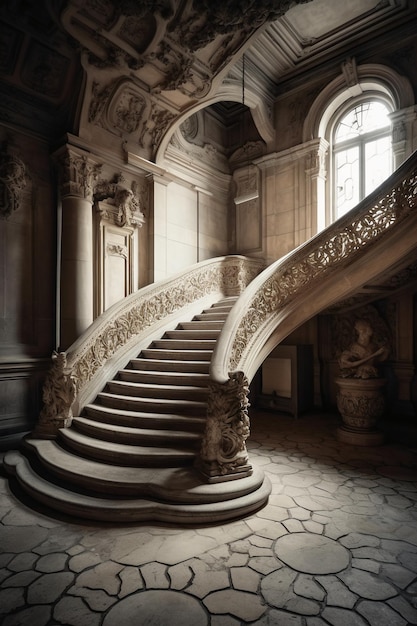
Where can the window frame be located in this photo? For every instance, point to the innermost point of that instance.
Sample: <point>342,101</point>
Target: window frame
<point>338,114</point>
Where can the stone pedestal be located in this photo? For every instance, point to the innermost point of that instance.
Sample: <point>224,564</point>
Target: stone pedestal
<point>361,404</point>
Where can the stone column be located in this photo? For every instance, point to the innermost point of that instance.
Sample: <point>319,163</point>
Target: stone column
<point>78,172</point>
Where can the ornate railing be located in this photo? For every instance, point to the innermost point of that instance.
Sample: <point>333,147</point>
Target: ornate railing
<point>286,294</point>
<point>305,268</point>
<point>79,373</point>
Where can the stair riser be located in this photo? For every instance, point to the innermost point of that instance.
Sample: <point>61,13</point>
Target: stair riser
<point>182,344</point>
<point>211,317</point>
<point>152,459</point>
<point>153,405</point>
<point>166,393</point>
<point>149,420</point>
<point>201,326</point>
<point>162,378</point>
<point>200,367</point>
<point>192,335</point>
<point>177,355</point>
<point>139,438</point>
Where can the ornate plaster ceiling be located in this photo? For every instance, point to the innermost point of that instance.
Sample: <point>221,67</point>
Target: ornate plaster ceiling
<point>121,71</point>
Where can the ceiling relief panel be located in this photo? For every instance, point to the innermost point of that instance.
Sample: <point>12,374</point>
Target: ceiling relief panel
<point>169,50</point>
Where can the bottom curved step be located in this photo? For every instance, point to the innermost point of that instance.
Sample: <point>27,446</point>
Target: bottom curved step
<point>103,509</point>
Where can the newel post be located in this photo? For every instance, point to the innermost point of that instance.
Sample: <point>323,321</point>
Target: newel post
<point>59,392</point>
<point>223,454</point>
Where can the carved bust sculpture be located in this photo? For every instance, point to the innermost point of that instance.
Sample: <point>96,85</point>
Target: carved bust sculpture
<point>361,358</point>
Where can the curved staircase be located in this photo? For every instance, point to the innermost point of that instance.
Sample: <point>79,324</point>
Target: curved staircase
<point>130,455</point>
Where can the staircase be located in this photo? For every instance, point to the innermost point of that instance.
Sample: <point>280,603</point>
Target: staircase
<point>129,456</point>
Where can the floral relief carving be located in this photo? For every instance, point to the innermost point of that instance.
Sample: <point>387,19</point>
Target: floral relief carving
<point>13,178</point>
<point>114,249</point>
<point>223,449</point>
<point>128,111</point>
<point>98,102</point>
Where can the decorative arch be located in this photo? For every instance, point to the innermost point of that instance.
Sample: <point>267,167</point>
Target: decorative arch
<point>261,113</point>
<point>352,83</point>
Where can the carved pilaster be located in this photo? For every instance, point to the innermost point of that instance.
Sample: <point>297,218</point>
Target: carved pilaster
<point>403,141</point>
<point>59,392</point>
<point>78,174</point>
<point>223,453</point>
<point>13,178</point>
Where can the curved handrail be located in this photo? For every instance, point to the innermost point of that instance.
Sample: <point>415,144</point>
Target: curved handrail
<point>129,325</point>
<point>275,293</point>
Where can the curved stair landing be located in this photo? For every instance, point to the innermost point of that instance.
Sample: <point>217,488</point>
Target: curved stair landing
<point>130,455</point>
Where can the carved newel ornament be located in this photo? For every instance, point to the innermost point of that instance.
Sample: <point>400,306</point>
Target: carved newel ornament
<point>360,397</point>
<point>59,392</point>
<point>223,453</point>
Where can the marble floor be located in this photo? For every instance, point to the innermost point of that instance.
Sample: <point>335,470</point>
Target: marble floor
<point>336,544</point>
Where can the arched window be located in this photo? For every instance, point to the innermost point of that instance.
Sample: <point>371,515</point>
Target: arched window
<point>361,153</point>
<point>351,127</point>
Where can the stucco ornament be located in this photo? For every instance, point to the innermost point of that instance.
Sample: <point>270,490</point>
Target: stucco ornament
<point>12,181</point>
<point>58,395</point>
<point>223,450</point>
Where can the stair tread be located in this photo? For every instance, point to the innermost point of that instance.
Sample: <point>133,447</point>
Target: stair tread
<point>190,501</point>
<point>164,417</point>
<point>172,354</point>
<point>165,363</point>
<point>169,479</point>
<point>190,334</point>
<point>72,435</point>
<point>137,431</point>
<point>184,344</point>
<point>197,379</point>
<point>151,401</point>
<point>159,387</point>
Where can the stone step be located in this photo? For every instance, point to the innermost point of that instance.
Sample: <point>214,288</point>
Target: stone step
<point>162,495</point>
<point>124,454</point>
<point>163,391</point>
<point>153,405</point>
<point>175,355</point>
<point>141,419</point>
<point>191,334</point>
<point>170,484</point>
<point>184,344</point>
<point>202,325</point>
<point>211,317</point>
<point>170,365</point>
<point>226,300</point>
<point>162,378</point>
<point>218,309</point>
<point>134,435</point>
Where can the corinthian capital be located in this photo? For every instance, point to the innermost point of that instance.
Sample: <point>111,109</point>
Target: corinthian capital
<point>78,173</point>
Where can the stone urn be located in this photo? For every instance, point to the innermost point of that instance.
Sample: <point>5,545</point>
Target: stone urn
<point>361,403</point>
<point>360,397</point>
